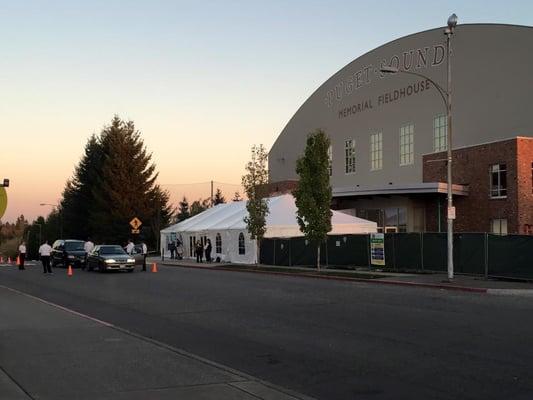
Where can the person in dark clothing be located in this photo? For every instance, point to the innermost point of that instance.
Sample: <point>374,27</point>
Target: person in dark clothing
<point>208,249</point>
<point>199,252</point>
<point>172,248</point>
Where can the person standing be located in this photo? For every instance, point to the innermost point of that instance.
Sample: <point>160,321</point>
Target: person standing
<point>172,248</point>
<point>44,253</point>
<point>129,247</point>
<point>88,247</point>
<point>22,255</point>
<point>208,249</point>
<point>199,252</point>
<point>144,250</point>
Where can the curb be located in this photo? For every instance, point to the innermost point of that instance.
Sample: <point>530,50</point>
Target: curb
<point>340,278</point>
<point>246,377</point>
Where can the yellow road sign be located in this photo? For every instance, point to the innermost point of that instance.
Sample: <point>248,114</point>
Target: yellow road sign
<point>3,201</point>
<point>135,223</point>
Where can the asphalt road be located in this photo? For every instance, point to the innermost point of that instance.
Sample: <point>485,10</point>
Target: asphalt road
<point>327,339</point>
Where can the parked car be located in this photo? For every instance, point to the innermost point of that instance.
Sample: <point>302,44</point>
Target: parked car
<point>67,252</point>
<point>110,257</point>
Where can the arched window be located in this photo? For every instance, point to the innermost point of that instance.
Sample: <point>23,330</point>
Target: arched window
<point>242,249</point>
<point>218,244</point>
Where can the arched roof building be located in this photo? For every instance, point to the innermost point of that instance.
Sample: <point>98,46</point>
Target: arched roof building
<point>388,132</point>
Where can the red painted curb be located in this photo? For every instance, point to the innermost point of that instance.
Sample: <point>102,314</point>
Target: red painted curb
<point>341,278</point>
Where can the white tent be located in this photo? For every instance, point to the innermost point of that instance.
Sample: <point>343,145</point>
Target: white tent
<point>224,225</point>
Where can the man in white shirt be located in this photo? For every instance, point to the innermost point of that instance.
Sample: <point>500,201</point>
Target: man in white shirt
<point>88,247</point>
<point>22,255</point>
<point>130,246</point>
<point>44,253</point>
<point>144,250</point>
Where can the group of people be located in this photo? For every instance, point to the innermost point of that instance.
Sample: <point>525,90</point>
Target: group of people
<point>45,251</point>
<point>44,254</point>
<point>174,247</point>
<point>200,249</point>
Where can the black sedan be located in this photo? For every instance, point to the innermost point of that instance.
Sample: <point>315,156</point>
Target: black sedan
<point>110,257</point>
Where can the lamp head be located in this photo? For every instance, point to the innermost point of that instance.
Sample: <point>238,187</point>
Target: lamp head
<point>452,21</point>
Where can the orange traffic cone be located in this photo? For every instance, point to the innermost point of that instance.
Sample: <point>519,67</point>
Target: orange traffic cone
<point>18,260</point>
<point>154,267</point>
<point>1,260</point>
<point>9,259</point>
<point>69,273</point>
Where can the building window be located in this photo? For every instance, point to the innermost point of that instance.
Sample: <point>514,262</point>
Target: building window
<point>376,151</point>
<point>330,160</point>
<point>407,144</point>
<point>499,226</point>
<point>349,154</point>
<point>242,249</point>
<point>218,243</point>
<point>498,181</point>
<point>439,133</point>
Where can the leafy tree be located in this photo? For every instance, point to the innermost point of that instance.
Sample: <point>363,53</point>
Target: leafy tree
<point>219,198</point>
<point>237,197</point>
<point>313,193</point>
<point>183,210</point>
<point>255,184</point>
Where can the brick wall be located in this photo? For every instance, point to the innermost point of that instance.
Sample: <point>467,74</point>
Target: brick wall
<point>471,167</point>
<point>525,185</point>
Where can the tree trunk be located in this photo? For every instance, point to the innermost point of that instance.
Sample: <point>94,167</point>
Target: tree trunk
<point>318,257</point>
<point>258,249</point>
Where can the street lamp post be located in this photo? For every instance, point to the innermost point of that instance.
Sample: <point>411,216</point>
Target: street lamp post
<point>447,98</point>
<point>56,206</point>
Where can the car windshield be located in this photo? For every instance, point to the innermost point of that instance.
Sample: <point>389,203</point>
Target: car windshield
<point>73,246</point>
<point>112,250</point>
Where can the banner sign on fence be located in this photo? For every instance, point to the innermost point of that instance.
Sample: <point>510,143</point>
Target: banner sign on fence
<point>377,249</point>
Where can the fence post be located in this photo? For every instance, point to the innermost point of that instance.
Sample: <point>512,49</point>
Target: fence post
<point>422,250</point>
<point>368,250</point>
<point>393,236</point>
<point>274,256</point>
<point>486,255</point>
<point>290,260</point>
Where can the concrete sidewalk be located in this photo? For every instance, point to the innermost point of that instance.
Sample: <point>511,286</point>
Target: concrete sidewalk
<point>428,280</point>
<point>49,352</point>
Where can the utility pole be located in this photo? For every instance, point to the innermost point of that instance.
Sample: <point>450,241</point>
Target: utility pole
<point>212,200</point>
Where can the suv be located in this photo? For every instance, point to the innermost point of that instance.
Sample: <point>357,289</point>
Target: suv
<point>68,252</point>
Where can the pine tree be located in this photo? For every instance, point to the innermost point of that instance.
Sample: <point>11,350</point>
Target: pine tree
<point>313,193</point>
<point>183,210</point>
<point>219,198</point>
<point>126,185</point>
<point>255,182</point>
<point>236,197</point>
<point>77,204</point>
<point>199,206</point>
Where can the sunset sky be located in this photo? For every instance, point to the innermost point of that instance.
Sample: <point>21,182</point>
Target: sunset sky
<point>203,81</point>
